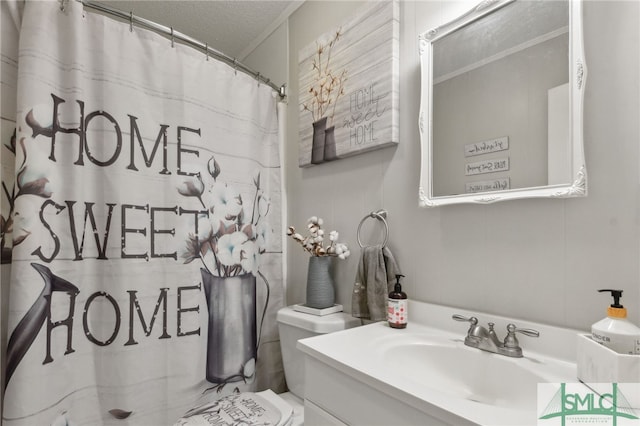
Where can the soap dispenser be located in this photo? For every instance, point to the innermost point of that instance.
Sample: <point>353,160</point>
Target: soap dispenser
<point>397,306</point>
<point>616,331</point>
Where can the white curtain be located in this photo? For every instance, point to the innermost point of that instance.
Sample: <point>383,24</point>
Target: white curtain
<point>141,219</point>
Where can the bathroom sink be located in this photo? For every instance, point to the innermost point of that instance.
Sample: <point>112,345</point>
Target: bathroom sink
<point>466,373</point>
<point>427,370</point>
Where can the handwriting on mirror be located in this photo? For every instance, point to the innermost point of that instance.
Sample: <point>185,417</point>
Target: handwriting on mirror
<point>487,166</point>
<point>486,147</point>
<point>488,185</point>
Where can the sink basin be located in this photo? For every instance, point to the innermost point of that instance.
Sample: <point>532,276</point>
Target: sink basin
<point>466,373</point>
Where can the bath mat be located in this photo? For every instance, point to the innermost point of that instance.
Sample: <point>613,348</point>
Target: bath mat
<point>248,408</point>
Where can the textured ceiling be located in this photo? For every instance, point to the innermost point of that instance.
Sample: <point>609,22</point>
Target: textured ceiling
<point>514,24</point>
<point>233,27</point>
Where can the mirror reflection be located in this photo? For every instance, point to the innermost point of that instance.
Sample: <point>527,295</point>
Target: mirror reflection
<point>498,95</point>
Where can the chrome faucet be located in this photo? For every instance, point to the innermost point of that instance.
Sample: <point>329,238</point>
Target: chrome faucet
<point>487,340</point>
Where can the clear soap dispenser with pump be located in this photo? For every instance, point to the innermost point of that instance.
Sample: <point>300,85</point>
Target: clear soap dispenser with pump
<point>615,331</point>
<point>397,306</point>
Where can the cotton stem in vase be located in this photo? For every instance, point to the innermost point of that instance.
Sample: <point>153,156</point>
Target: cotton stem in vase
<point>315,243</point>
<point>327,86</point>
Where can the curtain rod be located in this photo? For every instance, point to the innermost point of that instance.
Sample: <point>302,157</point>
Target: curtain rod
<point>176,35</point>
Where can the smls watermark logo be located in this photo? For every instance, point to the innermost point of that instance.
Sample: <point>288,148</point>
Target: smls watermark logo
<point>578,404</point>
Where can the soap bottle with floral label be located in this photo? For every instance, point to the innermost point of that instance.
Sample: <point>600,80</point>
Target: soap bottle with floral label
<point>397,306</point>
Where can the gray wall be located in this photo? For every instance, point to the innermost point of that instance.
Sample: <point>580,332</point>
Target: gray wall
<point>539,259</point>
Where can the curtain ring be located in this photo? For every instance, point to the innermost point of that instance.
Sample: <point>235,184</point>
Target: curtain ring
<point>206,49</point>
<point>258,78</point>
<point>235,66</point>
<point>171,36</point>
<point>131,21</point>
<point>62,5</point>
<point>380,215</point>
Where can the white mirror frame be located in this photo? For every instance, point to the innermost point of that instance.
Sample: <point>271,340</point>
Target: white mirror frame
<point>577,77</point>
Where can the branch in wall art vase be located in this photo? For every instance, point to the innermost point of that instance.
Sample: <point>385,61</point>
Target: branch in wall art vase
<point>349,87</point>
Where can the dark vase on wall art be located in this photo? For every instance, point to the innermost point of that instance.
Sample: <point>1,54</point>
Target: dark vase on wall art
<point>330,144</point>
<point>318,141</point>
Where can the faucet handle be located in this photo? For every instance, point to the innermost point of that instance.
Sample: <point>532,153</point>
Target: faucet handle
<point>526,331</point>
<point>511,341</point>
<point>472,320</point>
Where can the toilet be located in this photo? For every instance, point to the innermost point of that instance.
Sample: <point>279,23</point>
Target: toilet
<point>293,326</point>
<point>285,409</point>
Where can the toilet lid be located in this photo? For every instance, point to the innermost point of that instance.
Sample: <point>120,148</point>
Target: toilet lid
<point>248,408</point>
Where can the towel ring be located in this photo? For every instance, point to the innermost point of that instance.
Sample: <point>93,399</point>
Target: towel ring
<point>380,215</point>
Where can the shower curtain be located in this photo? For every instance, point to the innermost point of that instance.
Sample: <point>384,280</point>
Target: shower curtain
<point>141,223</point>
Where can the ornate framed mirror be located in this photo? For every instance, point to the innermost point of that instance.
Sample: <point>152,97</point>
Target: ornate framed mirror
<point>501,104</point>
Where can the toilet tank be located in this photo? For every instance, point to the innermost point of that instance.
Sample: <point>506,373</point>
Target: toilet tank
<point>293,326</point>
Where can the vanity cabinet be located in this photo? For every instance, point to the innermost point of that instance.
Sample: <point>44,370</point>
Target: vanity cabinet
<point>333,396</point>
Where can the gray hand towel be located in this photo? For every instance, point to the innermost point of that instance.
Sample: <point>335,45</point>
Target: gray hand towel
<point>375,278</point>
